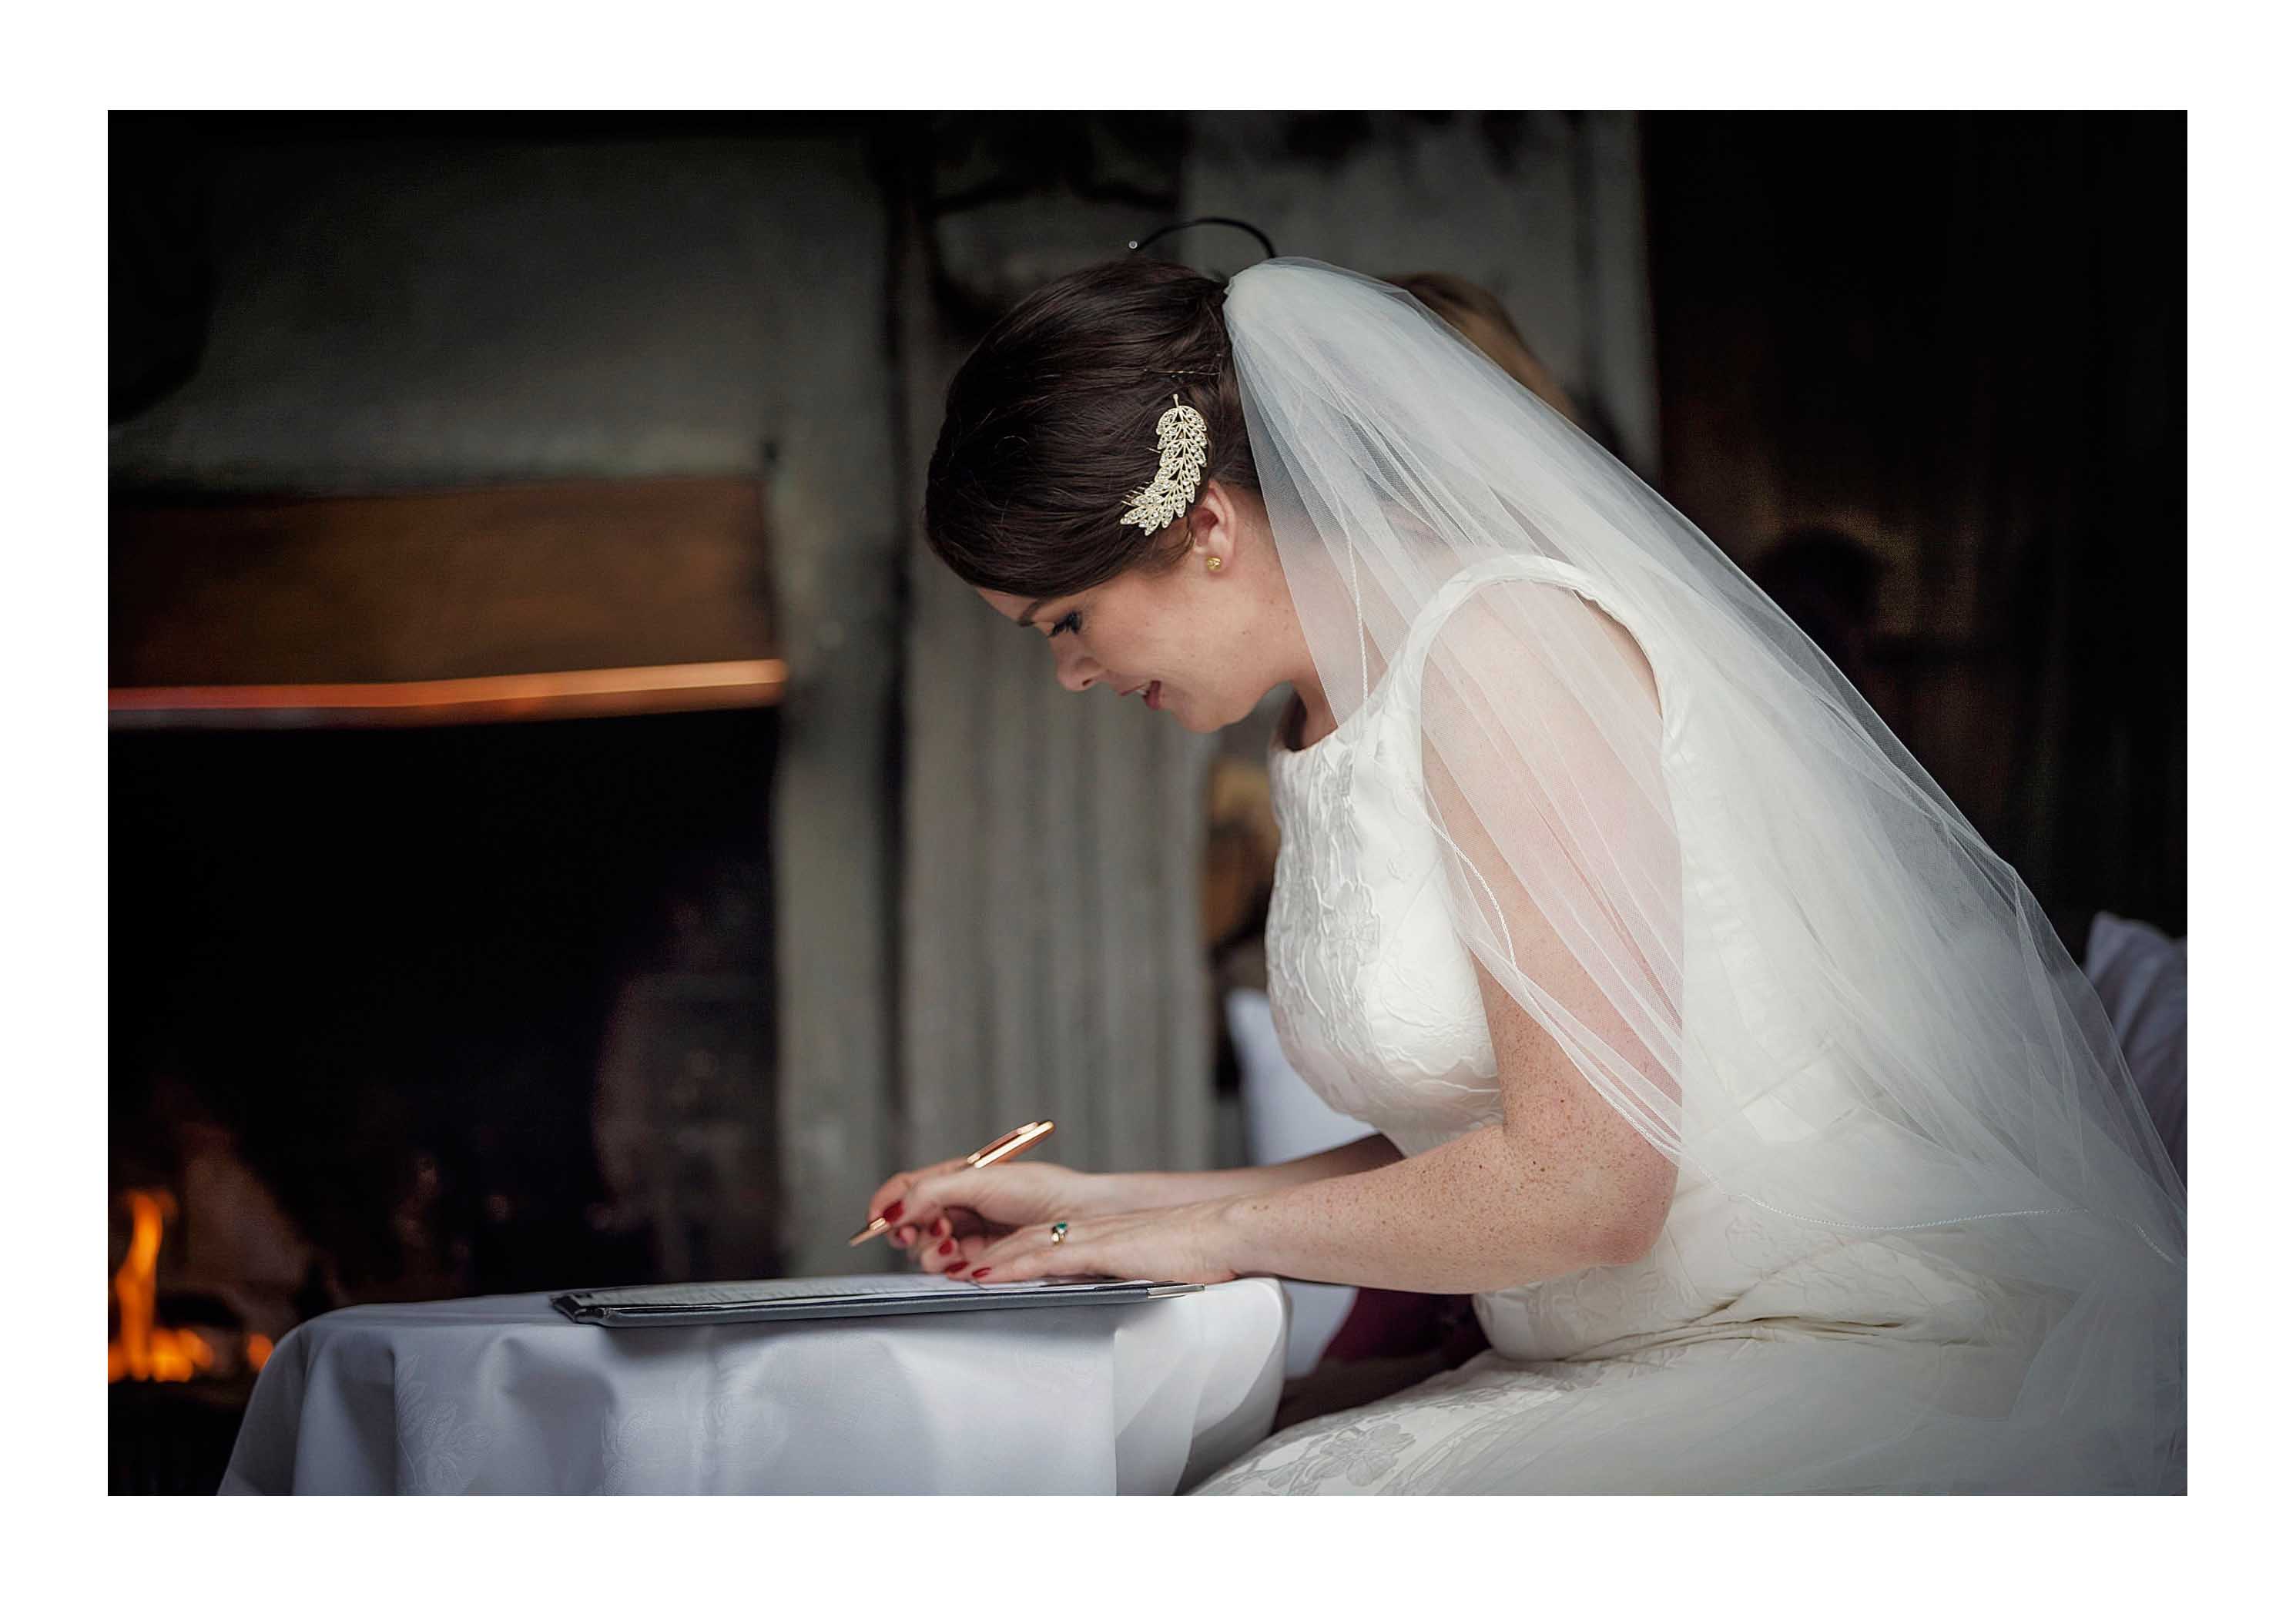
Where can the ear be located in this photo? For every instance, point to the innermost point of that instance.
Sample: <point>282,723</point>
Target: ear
<point>1214,530</point>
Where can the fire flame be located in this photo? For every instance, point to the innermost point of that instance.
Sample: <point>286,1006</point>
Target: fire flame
<point>143,1350</point>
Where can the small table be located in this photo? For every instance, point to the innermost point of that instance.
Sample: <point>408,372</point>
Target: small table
<point>501,1394</point>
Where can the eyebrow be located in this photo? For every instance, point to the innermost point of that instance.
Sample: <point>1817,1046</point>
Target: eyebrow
<point>1028,615</point>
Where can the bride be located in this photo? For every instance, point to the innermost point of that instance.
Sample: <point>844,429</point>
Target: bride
<point>1780,1142</point>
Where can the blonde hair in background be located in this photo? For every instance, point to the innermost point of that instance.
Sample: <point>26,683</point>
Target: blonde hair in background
<point>1239,853</point>
<point>1481,317</point>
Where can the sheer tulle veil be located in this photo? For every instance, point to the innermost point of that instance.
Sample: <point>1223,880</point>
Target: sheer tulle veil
<point>1626,751</point>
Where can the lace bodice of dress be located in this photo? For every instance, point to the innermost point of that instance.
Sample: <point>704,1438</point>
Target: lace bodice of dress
<point>1373,998</point>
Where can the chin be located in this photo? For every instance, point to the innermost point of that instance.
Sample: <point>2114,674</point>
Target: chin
<point>1203,726</point>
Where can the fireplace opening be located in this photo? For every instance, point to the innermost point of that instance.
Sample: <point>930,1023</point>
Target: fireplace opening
<point>415,1013</point>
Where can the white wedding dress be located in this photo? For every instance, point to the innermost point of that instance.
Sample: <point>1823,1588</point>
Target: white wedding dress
<point>1747,1343</point>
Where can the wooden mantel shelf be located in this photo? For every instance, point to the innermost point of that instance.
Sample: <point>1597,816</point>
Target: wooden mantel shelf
<point>470,700</point>
<point>548,600</point>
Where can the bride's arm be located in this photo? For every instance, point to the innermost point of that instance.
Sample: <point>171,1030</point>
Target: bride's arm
<point>1563,1183</point>
<point>951,1211</point>
<point>1150,1191</point>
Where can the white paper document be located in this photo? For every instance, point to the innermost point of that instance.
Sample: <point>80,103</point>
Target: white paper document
<point>931,1284</point>
<point>857,1295</point>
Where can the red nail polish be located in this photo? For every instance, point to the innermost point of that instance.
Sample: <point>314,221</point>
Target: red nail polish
<point>980,1272</point>
<point>952,1271</point>
<point>893,1211</point>
<point>947,1245</point>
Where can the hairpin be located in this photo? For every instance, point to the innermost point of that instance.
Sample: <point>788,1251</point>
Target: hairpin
<point>1182,443</point>
<point>1266,244</point>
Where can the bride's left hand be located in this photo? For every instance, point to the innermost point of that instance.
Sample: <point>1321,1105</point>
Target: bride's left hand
<point>1180,1243</point>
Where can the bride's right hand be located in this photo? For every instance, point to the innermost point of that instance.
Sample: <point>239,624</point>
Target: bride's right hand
<point>950,1211</point>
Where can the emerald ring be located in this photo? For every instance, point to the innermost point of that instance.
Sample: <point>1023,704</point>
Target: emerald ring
<point>1060,1232</point>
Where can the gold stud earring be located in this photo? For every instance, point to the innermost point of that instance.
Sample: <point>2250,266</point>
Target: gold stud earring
<point>1212,563</point>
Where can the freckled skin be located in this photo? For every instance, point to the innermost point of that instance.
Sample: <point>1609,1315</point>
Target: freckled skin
<point>1560,1183</point>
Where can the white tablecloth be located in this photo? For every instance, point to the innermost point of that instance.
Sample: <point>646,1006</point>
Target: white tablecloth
<point>502,1395</point>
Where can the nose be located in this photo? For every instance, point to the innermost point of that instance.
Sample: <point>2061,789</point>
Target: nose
<point>1075,667</point>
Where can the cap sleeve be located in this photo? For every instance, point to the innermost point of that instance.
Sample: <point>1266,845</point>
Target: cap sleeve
<point>1538,732</point>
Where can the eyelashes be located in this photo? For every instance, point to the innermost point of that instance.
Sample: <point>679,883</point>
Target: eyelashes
<point>1071,620</point>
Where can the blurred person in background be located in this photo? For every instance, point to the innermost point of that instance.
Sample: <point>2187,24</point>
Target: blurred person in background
<point>1827,582</point>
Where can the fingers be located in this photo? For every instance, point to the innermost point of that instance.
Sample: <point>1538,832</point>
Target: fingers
<point>945,1247</point>
<point>1030,1252</point>
<point>952,1242</point>
<point>960,1189</point>
<point>889,1192</point>
<point>1055,1261</point>
<point>894,1187</point>
<point>945,1216</point>
<point>971,1251</point>
<point>924,1236</point>
<point>938,1248</point>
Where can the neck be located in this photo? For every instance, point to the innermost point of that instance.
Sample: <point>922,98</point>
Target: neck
<point>1316,722</point>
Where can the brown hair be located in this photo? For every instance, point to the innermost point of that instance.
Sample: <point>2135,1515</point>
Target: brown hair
<point>1051,427</point>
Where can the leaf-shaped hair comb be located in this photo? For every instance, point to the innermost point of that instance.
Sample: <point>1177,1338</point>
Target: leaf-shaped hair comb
<point>1183,442</point>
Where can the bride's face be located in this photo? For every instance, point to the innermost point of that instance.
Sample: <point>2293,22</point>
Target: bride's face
<point>1200,645</point>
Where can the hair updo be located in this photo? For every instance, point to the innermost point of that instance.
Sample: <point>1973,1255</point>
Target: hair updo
<point>1051,427</point>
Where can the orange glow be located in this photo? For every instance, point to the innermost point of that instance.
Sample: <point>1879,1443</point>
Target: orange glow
<point>143,1351</point>
<point>258,1350</point>
<point>477,700</point>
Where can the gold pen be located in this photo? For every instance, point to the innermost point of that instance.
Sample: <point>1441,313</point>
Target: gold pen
<point>1024,1137</point>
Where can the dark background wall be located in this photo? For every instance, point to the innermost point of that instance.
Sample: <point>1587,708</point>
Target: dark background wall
<point>1961,341</point>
